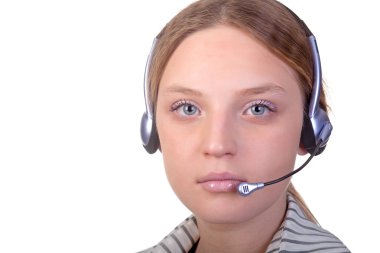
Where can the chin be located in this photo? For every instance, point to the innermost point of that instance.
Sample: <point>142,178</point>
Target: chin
<point>233,208</point>
<point>225,209</point>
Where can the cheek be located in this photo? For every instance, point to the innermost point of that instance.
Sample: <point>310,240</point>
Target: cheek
<point>287,137</point>
<point>175,145</point>
<point>177,150</point>
<point>272,151</point>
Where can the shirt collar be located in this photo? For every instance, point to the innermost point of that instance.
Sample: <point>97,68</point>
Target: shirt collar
<point>295,223</point>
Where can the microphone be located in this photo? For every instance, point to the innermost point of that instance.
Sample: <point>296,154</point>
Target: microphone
<point>246,188</point>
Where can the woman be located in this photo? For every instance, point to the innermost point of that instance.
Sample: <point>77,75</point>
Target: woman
<point>229,84</point>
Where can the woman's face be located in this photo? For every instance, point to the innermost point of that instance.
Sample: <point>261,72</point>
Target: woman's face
<point>228,111</point>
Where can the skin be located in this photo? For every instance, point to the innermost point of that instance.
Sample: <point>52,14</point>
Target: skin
<point>228,110</point>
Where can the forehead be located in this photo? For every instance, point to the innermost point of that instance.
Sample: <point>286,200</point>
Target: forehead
<point>225,56</point>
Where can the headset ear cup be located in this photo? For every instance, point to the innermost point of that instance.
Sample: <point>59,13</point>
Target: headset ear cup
<point>154,142</point>
<point>316,132</point>
<point>149,134</point>
<point>307,135</point>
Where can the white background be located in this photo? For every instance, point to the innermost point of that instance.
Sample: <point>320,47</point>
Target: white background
<point>73,174</point>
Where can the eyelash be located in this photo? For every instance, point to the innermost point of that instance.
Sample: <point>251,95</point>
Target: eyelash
<point>178,104</point>
<point>264,103</point>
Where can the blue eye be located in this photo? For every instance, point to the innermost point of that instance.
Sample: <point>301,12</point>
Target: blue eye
<point>260,108</point>
<point>185,108</point>
<point>189,109</point>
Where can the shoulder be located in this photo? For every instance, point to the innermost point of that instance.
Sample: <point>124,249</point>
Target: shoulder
<point>181,239</point>
<point>298,234</point>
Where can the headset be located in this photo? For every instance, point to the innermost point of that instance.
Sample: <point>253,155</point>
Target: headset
<point>148,130</point>
<point>316,129</point>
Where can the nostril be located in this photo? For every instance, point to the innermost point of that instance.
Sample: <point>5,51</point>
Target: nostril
<point>220,149</point>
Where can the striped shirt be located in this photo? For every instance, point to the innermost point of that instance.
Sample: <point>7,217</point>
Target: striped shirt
<point>296,234</point>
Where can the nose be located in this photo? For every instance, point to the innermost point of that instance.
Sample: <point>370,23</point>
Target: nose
<point>219,135</point>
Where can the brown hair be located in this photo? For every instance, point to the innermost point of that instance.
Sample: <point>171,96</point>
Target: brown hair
<point>268,21</point>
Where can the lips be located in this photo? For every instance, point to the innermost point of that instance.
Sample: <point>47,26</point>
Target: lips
<point>220,182</point>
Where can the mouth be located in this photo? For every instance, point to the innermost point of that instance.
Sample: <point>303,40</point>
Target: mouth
<point>220,182</point>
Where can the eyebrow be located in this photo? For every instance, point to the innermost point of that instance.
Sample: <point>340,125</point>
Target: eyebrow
<point>183,90</point>
<point>262,88</point>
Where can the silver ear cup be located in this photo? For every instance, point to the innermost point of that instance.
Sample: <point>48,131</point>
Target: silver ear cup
<point>316,130</point>
<point>148,134</point>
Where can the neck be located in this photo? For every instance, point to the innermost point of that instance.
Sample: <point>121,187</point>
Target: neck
<point>253,236</point>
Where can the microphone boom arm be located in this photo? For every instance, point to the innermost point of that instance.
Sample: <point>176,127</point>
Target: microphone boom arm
<point>246,189</point>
